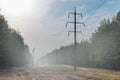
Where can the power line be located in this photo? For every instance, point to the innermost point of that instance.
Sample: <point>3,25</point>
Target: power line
<point>100,4</point>
<point>75,31</point>
<point>94,9</point>
<point>76,3</point>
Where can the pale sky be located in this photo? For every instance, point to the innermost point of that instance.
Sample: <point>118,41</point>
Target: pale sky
<point>42,22</point>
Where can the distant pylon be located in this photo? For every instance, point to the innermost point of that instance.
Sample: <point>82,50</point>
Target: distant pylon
<point>33,57</point>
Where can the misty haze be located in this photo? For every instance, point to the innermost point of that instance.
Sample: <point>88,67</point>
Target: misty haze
<point>59,40</point>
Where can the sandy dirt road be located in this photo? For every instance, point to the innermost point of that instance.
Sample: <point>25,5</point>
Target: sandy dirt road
<point>58,73</point>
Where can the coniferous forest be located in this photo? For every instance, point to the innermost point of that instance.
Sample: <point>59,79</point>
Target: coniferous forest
<point>13,51</point>
<point>102,50</point>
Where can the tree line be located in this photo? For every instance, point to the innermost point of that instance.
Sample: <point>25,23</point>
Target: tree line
<point>13,51</point>
<point>102,50</point>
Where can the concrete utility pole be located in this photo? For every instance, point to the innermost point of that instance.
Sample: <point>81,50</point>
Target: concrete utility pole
<point>33,56</point>
<point>0,9</point>
<point>75,41</point>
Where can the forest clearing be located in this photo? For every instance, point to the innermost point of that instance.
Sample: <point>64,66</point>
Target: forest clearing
<point>59,73</point>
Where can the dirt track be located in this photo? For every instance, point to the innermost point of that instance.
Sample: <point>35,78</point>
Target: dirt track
<point>59,73</point>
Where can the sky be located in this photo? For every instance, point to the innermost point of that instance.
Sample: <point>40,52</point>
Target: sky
<point>42,22</point>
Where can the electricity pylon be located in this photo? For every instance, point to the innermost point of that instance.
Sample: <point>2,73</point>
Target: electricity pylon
<point>75,31</point>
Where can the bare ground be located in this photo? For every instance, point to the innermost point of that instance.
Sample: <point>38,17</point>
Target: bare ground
<point>59,73</point>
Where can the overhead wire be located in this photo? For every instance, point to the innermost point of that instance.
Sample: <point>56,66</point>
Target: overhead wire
<point>94,9</point>
<point>99,5</point>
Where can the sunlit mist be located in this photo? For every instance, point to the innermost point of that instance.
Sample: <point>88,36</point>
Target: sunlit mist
<point>16,7</point>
